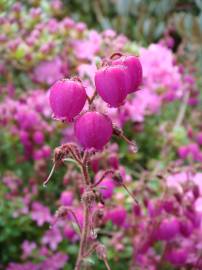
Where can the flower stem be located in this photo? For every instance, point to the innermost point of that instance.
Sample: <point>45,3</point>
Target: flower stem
<point>84,237</point>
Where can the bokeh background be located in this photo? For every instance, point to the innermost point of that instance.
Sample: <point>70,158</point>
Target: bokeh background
<point>42,41</point>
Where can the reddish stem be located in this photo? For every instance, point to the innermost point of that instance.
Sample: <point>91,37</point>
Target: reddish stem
<point>106,264</point>
<point>103,177</point>
<point>84,237</point>
<point>91,99</point>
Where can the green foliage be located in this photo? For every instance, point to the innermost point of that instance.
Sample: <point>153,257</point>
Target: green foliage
<point>12,234</point>
<point>141,20</point>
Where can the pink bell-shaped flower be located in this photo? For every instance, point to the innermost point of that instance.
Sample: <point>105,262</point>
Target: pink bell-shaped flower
<point>93,130</point>
<point>67,98</point>
<point>134,68</point>
<point>112,84</point>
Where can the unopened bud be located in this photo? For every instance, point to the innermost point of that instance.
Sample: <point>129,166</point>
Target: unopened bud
<point>101,251</point>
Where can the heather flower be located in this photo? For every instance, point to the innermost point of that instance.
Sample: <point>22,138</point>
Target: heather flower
<point>55,262</point>
<point>194,150</point>
<point>66,198</point>
<point>27,248</point>
<point>112,84</point>
<point>168,229</point>
<point>47,72</point>
<point>52,238</point>
<point>186,227</point>
<point>80,26</point>
<point>12,183</point>
<point>113,161</point>
<point>38,154</point>
<point>106,188</point>
<point>40,213</point>
<point>176,180</point>
<point>154,209</point>
<point>159,68</point>
<point>70,233</point>
<point>183,152</point>
<point>117,216</point>
<point>68,23</point>
<point>67,98</point>
<point>199,138</point>
<point>46,151</point>
<point>177,257</point>
<point>93,130</point>
<point>87,48</point>
<point>38,137</point>
<point>23,266</point>
<point>134,69</point>
<point>197,179</point>
<point>109,33</point>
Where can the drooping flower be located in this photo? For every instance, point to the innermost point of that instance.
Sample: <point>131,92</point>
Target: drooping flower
<point>134,67</point>
<point>93,130</point>
<point>67,98</point>
<point>112,84</point>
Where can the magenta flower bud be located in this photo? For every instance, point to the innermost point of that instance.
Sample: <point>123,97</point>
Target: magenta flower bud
<point>46,150</point>
<point>154,210</point>
<point>177,256</point>
<point>117,216</point>
<point>24,136</point>
<point>45,48</point>
<point>168,229</point>
<point>190,132</point>
<point>134,68</point>
<point>196,191</point>
<point>199,138</point>
<point>80,27</point>
<point>38,137</point>
<point>183,152</point>
<point>194,217</point>
<point>193,101</point>
<point>112,84</point>
<point>137,210</point>
<point>106,188</point>
<point>66,198</point>
<point>194,150</point>
<point>38,154</point>
<point>95,164</point>
<point>113,161</point>
<point>68,23</point>
<point>67,98</point>
<point>70,233</point>
<point>186,227</point>
<point>199,157</point>
<point>93,130</point>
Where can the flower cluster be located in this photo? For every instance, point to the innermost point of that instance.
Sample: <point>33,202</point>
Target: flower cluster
<point>93,131</point>
<point>113,82</point>
<point>26,120</point>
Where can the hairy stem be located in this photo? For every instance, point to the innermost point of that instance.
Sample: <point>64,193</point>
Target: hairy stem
<point>106,264</point>
<point>86,223</point>
<point>84,237</point>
